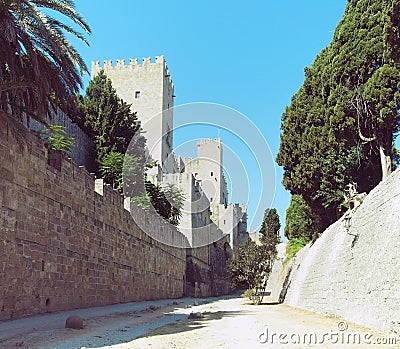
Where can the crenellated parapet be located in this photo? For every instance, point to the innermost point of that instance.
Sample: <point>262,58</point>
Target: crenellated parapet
<point>110,65</point>
<point>132,62</point>
<point>209,140</point>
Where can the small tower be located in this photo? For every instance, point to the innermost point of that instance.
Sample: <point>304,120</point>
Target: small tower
<point>208,170</point>
<point>149,89</point>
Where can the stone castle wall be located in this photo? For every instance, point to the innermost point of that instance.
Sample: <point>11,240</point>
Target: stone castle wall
<point>63,245</point>
<point>206,270</point>
<point>356,277</point>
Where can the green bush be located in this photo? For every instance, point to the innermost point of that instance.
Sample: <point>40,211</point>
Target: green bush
<point>295,245</point>
<point>57,137</point>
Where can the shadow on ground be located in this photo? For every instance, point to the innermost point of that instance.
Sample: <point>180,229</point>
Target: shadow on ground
<point>192,324</point>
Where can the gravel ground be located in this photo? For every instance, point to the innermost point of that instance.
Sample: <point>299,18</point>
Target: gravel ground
<point>225,323</point>
<point>102,325</point>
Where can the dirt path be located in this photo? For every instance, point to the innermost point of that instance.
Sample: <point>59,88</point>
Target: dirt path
<point>226,323</point>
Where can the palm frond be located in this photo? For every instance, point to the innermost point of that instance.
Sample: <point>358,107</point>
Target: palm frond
<point>37,61</point>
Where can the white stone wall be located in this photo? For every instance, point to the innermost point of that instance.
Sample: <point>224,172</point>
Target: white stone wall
<point>231,219</point>
<point>357,279</point>
<point>195,222</point>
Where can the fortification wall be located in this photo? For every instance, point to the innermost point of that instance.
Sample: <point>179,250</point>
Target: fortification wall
<point>356,277</point>
<point>64,245</point>
<point>206,273</point>
<point>198,272</point>
<point>220,252</point>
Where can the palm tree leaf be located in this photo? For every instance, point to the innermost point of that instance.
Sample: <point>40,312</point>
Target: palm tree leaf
<point>37,60</point>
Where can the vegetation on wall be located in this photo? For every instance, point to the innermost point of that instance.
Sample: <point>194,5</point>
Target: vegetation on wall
<point>251,264</point>
<point>38,65</point>
<point>295,245</point>
<point>58,139</point>
<point>340,125</point>
<point>167,200</point>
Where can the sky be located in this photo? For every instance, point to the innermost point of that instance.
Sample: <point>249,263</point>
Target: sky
<point>248,56</point>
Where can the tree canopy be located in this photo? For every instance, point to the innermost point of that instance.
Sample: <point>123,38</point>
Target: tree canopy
<point>270,229</point>
<point>112,126</point>
<point>340,125</point>
<point>38,65</point>
<point>300,220</point>
<point>106,118</point>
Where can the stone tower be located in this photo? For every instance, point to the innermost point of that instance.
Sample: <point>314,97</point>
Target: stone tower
<point>149,89</point>
<point>208,170</point>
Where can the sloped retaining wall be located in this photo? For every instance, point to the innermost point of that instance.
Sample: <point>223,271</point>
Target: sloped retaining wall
<point>356,277</point>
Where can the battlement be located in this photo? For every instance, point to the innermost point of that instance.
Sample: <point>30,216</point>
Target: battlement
<point>186,160</point>
<point>208,141</point>
<point>132,62</point>
<point>110,65</point>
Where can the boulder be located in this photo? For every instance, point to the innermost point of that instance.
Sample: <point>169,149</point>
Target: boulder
<point>75,322</point>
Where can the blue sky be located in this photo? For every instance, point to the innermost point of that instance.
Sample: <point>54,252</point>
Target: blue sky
<point>249,56</point>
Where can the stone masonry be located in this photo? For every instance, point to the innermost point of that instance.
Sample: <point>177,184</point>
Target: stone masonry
<point>64,245</point>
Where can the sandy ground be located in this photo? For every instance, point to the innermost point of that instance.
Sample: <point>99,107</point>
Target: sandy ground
<point>225,323</point>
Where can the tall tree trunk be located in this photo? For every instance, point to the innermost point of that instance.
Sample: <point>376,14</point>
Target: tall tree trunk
<point>385,152</point>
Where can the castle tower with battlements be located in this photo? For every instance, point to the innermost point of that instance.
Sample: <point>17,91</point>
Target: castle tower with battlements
<point>148,87</point>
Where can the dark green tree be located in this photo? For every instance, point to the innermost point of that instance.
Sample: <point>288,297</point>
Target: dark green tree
<point>270,227</point>
<point>366,73</point>
<point>251,264</point>
<point>38,65</point>
<point>167,201</point>
<point>341,122</point>
<point>106,118</point>
<point>270,238</point>
<point>248,269</point>
<point>300,220</point>
<point>109,121</point>
<point>320,159</point>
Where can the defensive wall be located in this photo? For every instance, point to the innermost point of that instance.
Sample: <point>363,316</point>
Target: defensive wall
<point>206,274</point>
<point>351,273</point>
<point>65,243</point>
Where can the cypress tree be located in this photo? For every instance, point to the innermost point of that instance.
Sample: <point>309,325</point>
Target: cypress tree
<point>340,125</point>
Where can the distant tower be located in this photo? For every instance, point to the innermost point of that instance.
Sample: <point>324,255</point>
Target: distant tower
<point>149,88</point>
<point>208,170</point>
